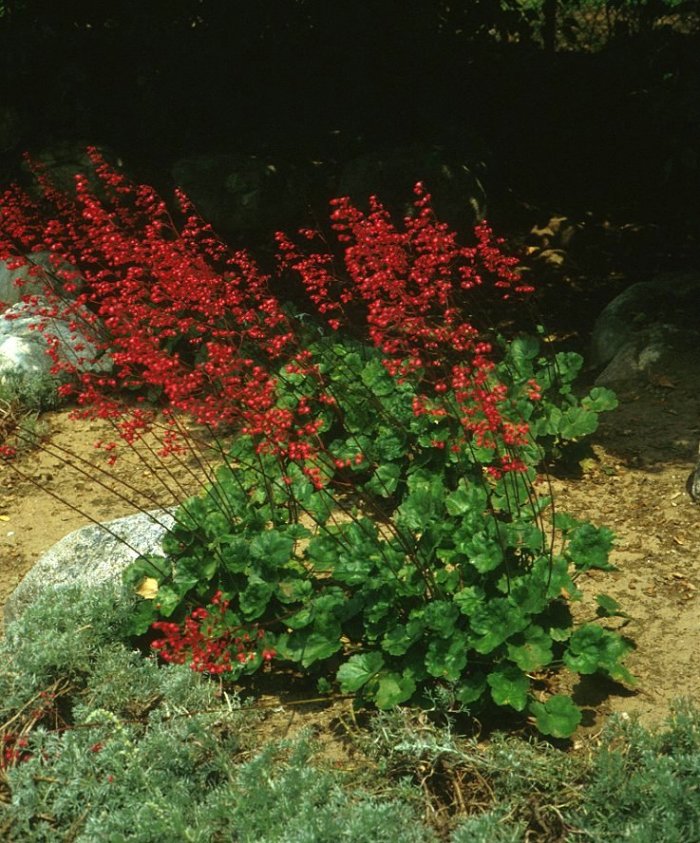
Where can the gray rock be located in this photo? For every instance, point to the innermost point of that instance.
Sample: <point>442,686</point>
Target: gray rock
<point>89,556</point>
<point>64,160</point>
<point>692,484</point>
<point>658,350</point>
<point>244,194</point>
<point>650,328</point>
<point>30,279</point>
<point>10,129</point>
<point>458,195</point>
<point>669,300</point>
<point>24,347</point>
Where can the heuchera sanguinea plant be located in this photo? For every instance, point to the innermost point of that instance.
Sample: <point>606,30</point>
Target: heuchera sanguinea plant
<point>376,515</point>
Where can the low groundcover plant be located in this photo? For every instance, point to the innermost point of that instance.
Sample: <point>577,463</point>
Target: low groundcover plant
<point>112,745</point>
<point>376,517</point>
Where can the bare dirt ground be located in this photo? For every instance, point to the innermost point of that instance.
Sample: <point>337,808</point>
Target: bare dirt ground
<point>633,481</point>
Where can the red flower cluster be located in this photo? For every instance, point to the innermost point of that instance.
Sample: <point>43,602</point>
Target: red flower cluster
<point>193,324</point>
<point>14,750</point>
<point>208,642</point>
<point>409,288</point>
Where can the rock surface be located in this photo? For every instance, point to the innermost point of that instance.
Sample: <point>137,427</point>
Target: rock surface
<point>89,556</point>
<point>459,198</point>
<point>30,279</point>
<point>647,329</point>
<point>24,346</point>
<point>244,194</point>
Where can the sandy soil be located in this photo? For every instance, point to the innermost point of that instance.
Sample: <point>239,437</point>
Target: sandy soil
<point>633,482</point>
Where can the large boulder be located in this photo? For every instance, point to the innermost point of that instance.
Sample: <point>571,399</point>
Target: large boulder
<point>36,274</point>
<point>459,198</point>
<point>648,328</point>
<point>90,556</point>
<point>10,129</point>
<point>24,345</point>
<point>244,194</point>
<point>64,160</point>
<point>20,281</point>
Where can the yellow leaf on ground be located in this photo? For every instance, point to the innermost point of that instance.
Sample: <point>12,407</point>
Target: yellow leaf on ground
<point>148,588</point>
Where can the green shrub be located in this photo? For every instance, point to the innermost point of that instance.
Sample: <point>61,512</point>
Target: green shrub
<point>101,743</point>
<point>417,568</point>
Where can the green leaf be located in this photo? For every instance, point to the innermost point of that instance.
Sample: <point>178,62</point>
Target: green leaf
<point>522,351</point>
<point>399,639</point>
<point>558,717</point>
<point>589,547</point>
<point>293,590</point>
<point>568,364</point>
<point>447,659</point>
<point>234,553</point>
<point>484,552</point>
<point>299,619</point>
<point>423,504</point>
<point>384,480</point>
<point>577,422</point>
<point>609,608</point>
<point>306,647</point>
<point>377,379</point>
<point>253,601</point>
<point>534,652</point>
<point>592,648</point>
<point>441,616</point>
<point>495,622</point>
<point>469,599</point>
<point>509,686</point>
<point>467,498</point>
<point>358,670</point>
<point>143,615</point>
<point>390,444</point>
<point>470,688</point>
<point>393,690</point>
<point>600,400</point>
<point>272,548</point>
<point>167,600</point>
<point>554,574</point>
<point>565,522</point>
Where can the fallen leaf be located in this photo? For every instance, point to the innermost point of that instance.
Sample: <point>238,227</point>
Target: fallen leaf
<point>148,588</point>
<point>4,517</point>
<point>663,381</point>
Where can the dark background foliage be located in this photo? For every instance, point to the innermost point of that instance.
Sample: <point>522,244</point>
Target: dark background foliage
<point>592,105</point>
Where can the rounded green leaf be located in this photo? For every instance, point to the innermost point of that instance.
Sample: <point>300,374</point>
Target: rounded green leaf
<point>509,686</point>
<point>393,690</point>
<point>534,652</point>
<point>447,659</point>
<point>558,717</point>
<point>470,688</point>
<point>358,670</point>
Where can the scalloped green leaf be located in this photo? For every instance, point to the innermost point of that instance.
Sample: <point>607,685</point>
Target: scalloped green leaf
<point>535,651</point>
<point>609,607</point>
<point>470,688</point>
<point>509,686</point>
<point>306,647</point>
<point>272,548</point>
<point>467,498</point>
<point>558,717</point>
<point>399,639</point>
<point>393,689</point>
<point>589,547</point>
<point>600,400</point>
<point>358,670</point>
<point>592,648</point>
<point>384,480</point>
<point>447,659</point>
